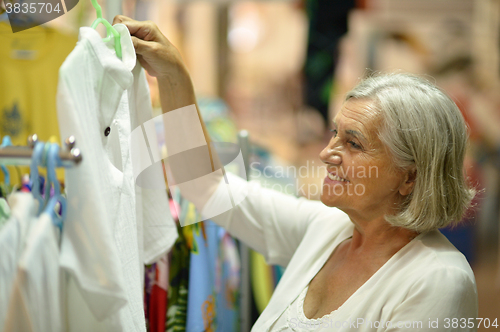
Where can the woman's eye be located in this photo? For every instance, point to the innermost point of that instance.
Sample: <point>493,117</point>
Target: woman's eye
<point>354,145</point>
<point>334,131</point>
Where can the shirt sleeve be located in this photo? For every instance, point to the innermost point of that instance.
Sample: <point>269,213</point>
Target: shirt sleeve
<point>268,221</point>
<point>444,299</point>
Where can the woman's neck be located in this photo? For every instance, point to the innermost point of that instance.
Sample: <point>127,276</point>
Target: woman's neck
<point>378,236</point>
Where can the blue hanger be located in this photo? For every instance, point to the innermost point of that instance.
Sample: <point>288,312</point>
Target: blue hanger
<point>36,160</point>
<point>6,141</point>
<point>53,161</point>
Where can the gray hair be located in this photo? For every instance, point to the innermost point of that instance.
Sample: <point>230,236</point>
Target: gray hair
<point>424,129</point>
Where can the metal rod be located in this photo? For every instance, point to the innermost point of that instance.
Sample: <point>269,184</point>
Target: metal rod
<point>245,287</point>
<point>21,155</point>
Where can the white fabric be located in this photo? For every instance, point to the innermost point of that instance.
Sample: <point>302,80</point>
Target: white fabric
<point>12,240</point>
<point>36,300</point>
<point>294,317</point>
<point>4,212</point>
<point>428,279</point>
<point>112,226</point>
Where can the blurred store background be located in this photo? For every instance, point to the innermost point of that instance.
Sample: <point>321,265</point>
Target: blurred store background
<point>280,69</point>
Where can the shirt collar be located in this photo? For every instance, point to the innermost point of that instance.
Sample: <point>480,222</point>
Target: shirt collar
<point>119,70</point>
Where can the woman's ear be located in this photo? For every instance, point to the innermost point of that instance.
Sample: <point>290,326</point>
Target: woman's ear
<point>409,181</point>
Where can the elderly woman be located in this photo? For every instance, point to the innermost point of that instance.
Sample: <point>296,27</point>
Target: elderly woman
<point>369,256</point>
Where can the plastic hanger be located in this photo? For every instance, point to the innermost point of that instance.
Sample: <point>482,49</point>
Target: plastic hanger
<point>6,141</point>
<point>112,33</point>
<point>53,161</point>
<point>36,159</point>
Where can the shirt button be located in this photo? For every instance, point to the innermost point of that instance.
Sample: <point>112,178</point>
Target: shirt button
<point>106,131</point>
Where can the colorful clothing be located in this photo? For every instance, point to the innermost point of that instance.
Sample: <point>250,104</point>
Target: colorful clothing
<point>178,284</point>
<point>228,282</point>
<point>156,295</point>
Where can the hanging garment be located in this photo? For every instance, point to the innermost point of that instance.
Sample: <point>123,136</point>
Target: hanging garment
<point>37,295</point>
<point>201,313</point>
<point>12,239</point>
<point>213,276</point>
<point>113,227</point>
<point>178,284</point>
<point>262,280</point>
<point>157,304</point>
<point>149,280</point>
<point>29,67</point>
<point>227,282</point>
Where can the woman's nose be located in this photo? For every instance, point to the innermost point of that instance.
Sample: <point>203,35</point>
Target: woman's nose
<point>330,155</point>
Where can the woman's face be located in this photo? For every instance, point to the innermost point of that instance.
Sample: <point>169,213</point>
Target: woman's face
<point>362,180</point>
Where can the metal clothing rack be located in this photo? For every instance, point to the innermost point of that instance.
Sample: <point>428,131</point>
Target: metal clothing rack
<point>245,287</point>
<point>21,155</point>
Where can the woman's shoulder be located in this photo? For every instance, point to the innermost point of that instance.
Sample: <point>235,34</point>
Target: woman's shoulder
<point>431,272</point>
<point>431,280</point>
<point>434,254</point>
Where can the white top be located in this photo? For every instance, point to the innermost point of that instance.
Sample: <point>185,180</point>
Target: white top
<point>12,240</point>
<point>294,319</point>
<point>112,227</point>
<point>426,281</point>
<point>36,299</point>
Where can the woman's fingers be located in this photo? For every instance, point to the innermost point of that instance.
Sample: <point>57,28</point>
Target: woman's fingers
<point>155,53</point>
<point>146,30</point>
<point>120,19</point>
<point>141,46</point>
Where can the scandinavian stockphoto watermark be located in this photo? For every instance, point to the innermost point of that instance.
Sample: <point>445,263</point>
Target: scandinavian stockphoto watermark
<point>26,14</point>
<point>357,323</point>
<point>408,325</point>
<point>307,180</point>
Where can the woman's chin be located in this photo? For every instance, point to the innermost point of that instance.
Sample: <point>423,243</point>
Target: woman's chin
<point>329,200</point>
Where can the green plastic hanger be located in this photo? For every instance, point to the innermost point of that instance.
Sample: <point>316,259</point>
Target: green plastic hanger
<point>112,33</point>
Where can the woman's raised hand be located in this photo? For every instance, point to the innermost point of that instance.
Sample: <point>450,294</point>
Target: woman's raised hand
<point>154,51</point>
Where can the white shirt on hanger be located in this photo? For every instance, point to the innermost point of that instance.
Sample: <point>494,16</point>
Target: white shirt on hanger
<point>112,227</point>
<point>37,295</point>
<point>12,240</point>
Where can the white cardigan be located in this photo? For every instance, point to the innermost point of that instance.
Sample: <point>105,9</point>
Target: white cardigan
<point>427,285</point>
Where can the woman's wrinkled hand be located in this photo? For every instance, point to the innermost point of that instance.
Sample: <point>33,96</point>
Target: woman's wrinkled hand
<point>154,51</point>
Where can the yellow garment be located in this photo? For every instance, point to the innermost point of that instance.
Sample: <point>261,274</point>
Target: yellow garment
<point>29,68</point>
<point>261,279</point>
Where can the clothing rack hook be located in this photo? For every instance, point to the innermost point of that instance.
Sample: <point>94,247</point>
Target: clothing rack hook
<point>22,155</point>
<point>36,160</point>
